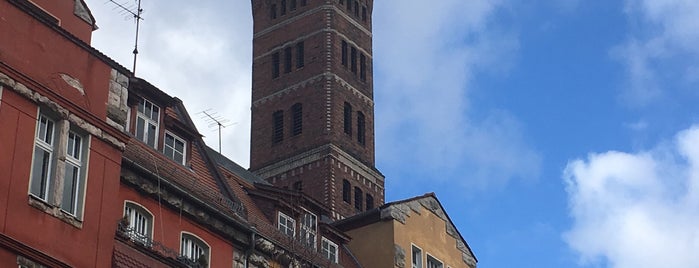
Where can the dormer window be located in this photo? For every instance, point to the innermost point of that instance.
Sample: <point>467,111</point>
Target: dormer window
<point>309,225</point>
<point>287,225</point>
<point>175,148</point>
<point>147,123</point>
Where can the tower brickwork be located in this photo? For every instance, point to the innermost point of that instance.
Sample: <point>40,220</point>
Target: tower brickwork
<point>312,101</point>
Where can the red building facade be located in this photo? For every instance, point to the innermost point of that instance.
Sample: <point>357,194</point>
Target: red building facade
<point>99,168</point>
<point>61,138</point>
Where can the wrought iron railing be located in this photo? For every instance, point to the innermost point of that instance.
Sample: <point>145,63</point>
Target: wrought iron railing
<point>157,247</point>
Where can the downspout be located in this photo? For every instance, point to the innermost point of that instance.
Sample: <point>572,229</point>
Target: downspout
<point>251,247</point>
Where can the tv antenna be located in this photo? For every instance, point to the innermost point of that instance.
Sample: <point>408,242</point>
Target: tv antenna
<point>135,11</point>
<point>215,120</point>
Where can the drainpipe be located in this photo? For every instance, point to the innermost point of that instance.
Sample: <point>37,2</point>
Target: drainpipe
<point>251,248</point>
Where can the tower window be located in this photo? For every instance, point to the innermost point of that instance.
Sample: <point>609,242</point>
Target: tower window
<point>356,8</point>
<point>358,198</point>
<point>344,53</point>
<point>292,5</point>
<point>298,186</point>
<point>369,202</point>
<point>287,59</point>
<point>361,124</point>
<point>283,7</point>
<point>348,119</point>
<point>303,3</point>
<point>278,121</point>
<point>275,64</point>
<point>362,67</point>
<point>299,55</point>
<point>346,188</point>
<point>353,60</point>
<point>342,2</point>
<point>273,11</point>
<point>349,5</point>
<point>296,119</point>
<point>364,13</point>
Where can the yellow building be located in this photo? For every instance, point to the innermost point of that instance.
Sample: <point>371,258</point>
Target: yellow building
<point>412,233</point>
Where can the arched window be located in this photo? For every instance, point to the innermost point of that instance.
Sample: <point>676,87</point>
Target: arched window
<point>140,221</point>
<point>346,188</point>
<point>369,202</point>
<point>278,131</point>
<point>348,119</point>
<point>296,119</point>
<point>361,125</point>
<point>358,198</point>
<point>194,249</point>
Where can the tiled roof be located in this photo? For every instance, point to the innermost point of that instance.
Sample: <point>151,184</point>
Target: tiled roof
<point>198,181</point>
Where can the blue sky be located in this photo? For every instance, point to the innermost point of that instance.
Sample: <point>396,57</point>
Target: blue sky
<point>559,133</point>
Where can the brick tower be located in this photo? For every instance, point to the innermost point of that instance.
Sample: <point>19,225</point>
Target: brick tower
<point>312,101</point>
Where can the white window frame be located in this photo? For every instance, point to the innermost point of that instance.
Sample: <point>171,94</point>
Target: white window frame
<point>429,257</point>
<point>325,250</point>
<point>175,138</point>
<point>309,234</point>
<point>147,121</point>
<point>71,198</point>
<point>285,227</point>
<point>76,161</point>
<point>194,243</point>
<point>140,231</point>
<point>414,247</point>
<point>41,143</point>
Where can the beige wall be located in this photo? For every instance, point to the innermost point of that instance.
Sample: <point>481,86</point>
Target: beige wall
<point>373,244</point>
<point>428,232</point>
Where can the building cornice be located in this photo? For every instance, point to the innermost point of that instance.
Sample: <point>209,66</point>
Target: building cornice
<point>45,97</point>
<point>315,79</point>
<point>300,16</point>
<point>318,153</point>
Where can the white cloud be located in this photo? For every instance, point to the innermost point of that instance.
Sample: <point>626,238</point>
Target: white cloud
<point>637,209</point>
<point>198,51</point>
<point>425,63</point>
<point>663,46</point>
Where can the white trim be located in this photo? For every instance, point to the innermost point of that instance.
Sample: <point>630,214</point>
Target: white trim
<point>288,219</point>
<point>148,119</point>
<point>184,146</point>
<point>208,247</point>
<point>304,239</point>
<point>330,242</point>
<point>422,259</point>
<point>152,217</point>
<point>428,256</point>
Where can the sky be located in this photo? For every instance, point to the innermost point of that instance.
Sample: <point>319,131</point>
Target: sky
<point>556,133</point>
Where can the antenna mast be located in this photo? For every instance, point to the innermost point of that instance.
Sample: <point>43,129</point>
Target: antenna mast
<point>137,16</point>
<point>215,120</point>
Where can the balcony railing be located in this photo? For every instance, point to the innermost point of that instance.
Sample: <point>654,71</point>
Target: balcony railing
<point>156,247</point>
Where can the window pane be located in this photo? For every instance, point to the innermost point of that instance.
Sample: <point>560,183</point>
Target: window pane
<point>41,172</point>
<point>140,128</point>
<point>156,114</point>
<point>70,188</point>
<point>152,130</point>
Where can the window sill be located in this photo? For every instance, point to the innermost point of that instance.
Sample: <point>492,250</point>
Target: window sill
<point>54,211</point>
